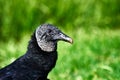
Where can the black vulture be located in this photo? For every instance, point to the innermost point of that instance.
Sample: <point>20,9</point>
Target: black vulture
<point>40,57</point>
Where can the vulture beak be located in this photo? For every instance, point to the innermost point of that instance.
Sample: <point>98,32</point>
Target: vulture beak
<point>64,37</point>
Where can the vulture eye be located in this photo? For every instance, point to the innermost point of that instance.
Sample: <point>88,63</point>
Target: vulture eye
<point>49,30</point>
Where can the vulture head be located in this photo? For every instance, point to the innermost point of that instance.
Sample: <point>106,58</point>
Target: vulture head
<point>48,35</point>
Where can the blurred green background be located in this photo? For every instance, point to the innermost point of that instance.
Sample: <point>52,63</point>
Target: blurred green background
<point>94,26</point>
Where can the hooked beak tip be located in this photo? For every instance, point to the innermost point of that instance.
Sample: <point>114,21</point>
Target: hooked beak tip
<point>66,38</point>
<point>70,41</point>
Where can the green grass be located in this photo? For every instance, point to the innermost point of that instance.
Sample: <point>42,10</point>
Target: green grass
<point>94,55</point>
<point>20,16</point>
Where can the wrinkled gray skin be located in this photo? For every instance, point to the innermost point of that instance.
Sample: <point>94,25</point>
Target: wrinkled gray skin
<point>47,37</point>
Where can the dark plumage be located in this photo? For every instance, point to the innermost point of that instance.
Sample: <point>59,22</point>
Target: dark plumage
<point>40,57</point>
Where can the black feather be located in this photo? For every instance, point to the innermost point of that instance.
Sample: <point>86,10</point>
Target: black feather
<point>35,64</point>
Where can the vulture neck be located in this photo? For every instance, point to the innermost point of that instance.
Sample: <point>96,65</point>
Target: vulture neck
<point>34,47</point>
